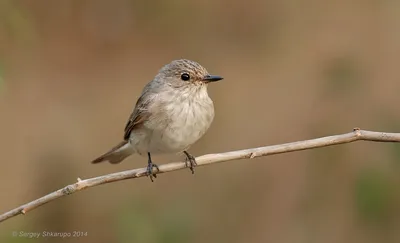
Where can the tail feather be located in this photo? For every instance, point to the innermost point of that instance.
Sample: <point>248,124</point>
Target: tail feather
<point>116,154</point>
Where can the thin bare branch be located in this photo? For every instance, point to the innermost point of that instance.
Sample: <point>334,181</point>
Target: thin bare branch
<point>356,135</point>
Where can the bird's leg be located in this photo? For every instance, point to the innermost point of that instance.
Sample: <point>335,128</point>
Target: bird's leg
<point>150,166</point>
<point>190,161</point>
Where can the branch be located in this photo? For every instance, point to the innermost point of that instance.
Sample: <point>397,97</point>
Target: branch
<point>356,135</point>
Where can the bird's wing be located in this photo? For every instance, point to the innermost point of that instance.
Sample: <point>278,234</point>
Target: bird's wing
<point>139,115</point>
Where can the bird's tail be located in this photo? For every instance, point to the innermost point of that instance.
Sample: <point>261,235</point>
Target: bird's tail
<point>116,154</point>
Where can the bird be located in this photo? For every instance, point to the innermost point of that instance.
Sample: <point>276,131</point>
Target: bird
<point>173,112</point>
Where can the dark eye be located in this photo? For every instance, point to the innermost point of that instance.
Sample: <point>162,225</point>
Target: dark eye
<point>185,77</point>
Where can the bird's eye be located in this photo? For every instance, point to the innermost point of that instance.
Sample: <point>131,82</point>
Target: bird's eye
<point>185,77</point>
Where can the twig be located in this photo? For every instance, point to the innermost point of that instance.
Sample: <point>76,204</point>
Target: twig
<point>356,135</point>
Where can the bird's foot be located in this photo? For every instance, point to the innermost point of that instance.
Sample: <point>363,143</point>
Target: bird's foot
<point>190,161</point>
<point>150,172</point>
<point>150,166</point>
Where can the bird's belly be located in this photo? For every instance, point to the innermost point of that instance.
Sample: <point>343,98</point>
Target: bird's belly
<point>185,126</point>
<point>174,140</point>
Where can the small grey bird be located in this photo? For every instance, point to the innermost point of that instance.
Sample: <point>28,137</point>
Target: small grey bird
<point>172,113</point>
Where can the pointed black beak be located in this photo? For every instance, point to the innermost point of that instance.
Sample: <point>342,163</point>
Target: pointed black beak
<point>212,78</point>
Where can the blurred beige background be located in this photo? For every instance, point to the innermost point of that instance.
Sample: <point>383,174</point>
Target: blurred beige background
<point>72,70</point>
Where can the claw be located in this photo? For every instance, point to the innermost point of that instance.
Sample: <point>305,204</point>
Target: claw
<point>190,161</point>
<point>150,173</point>
<point>150,166</point>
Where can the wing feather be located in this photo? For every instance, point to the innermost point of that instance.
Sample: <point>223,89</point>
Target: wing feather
<point>139,115</point>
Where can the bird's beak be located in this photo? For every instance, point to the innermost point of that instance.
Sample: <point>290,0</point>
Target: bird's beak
<point>212,78</point>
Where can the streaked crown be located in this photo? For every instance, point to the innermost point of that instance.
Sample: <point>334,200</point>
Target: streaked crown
<point>187,71</point>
